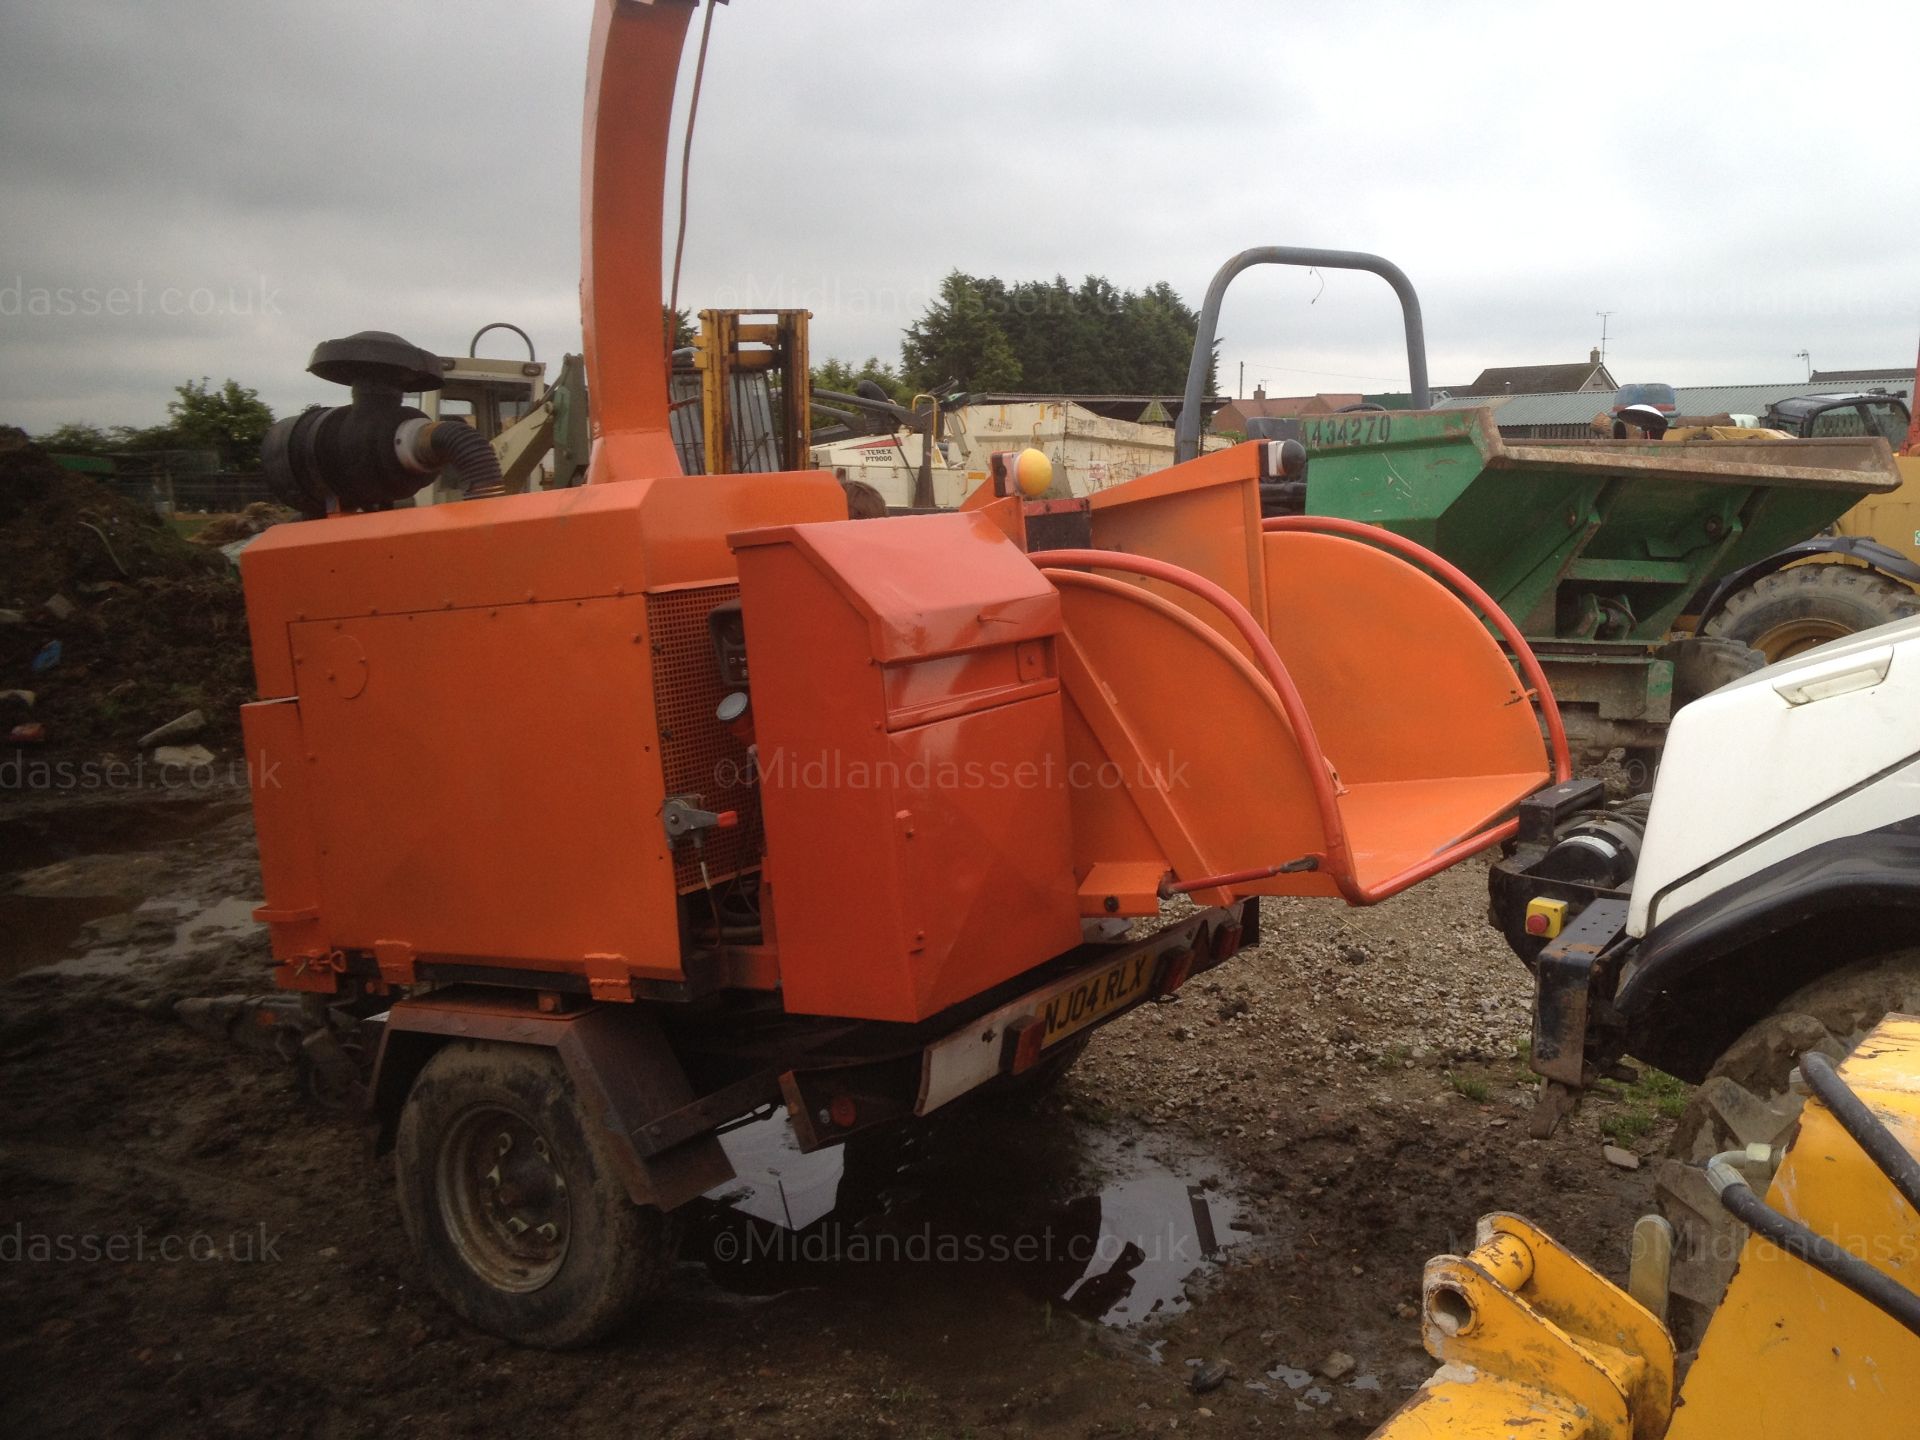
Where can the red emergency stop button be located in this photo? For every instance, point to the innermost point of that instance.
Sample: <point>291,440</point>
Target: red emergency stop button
<point>1545,917</point>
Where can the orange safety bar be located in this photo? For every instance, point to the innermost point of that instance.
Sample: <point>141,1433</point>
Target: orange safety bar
<point>1338,861</point>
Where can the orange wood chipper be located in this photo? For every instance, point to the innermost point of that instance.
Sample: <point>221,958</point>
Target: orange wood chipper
<point>633,809</point>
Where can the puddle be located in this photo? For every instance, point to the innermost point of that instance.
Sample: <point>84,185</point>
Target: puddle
<point>1037,1208</point>
<point>35,836</point>
<point>42,930</point>
<point>163,928</point>
<point>79,898</point>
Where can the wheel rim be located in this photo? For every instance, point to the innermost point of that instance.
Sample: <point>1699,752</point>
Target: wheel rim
<point>503,1201</point>
<point>1794,636</point>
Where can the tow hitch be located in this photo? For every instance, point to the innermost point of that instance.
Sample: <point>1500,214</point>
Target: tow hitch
<point>1563,981</point>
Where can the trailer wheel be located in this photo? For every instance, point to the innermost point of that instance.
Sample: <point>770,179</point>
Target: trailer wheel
<point>1746,1099</point>
<point>1800,607</point>
<point>512,1201</point>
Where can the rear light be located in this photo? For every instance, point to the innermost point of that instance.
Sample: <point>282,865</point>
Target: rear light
<point>1174,970</point>
<point>1226,940</point>
<point>843,1111</point>
<point>1029,1033</point>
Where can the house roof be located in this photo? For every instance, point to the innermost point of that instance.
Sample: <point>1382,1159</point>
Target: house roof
<point>1899,374</point>
<point>1578,407</point>
<point>1111,407</point>
<point>1536,379</point>
<point>1282,405</point>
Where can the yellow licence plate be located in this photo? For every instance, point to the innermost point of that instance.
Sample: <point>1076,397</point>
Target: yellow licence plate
<point>1079,1003</point>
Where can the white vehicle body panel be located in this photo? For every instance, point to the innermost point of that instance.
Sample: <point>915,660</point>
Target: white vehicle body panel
<point>1818,747</point>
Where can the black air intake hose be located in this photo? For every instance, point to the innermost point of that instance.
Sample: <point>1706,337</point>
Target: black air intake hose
<point>376,451</point>
<point>465,450</point>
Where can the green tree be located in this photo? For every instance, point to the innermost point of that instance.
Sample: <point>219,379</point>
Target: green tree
<point>232,420</point>
<point>843,376</point>
<point>1060,338</point>
<point>959,341</point>
<point>82,437</point>
<point>677,326</point>
<point>78,437</point>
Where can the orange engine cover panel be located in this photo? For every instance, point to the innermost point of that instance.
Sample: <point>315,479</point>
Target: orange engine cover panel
<point>907,706</point>
<point>468,724</point>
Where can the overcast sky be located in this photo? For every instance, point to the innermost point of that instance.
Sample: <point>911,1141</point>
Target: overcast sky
<point>240,180</point>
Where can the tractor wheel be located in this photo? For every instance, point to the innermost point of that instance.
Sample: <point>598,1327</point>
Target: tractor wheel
<point>1704,663</point>
<point>1746,1099</point>
<point>513,1203</point>
<point>1800,607</point>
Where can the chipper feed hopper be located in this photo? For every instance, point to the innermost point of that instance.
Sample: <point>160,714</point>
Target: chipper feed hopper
<point>625,811</point>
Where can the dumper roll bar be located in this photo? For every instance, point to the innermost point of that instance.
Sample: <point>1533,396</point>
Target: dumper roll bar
<point>1186,434</point>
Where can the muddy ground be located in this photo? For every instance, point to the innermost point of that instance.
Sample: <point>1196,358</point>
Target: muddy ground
<point>111,625</point>
<point>190,1249</point>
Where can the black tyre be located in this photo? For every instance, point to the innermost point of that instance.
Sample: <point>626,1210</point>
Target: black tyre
<point>1746,1099</point>
<point>1795,609</point>
<point>1704,663</point>
<point>513,1203</point>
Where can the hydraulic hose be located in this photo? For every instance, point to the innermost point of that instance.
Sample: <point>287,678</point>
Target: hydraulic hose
<point>464,450</point>
<point>1886,1152</point>
<point>1871,1285</point>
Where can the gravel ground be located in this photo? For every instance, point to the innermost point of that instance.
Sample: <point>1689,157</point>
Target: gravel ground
<point>1346,1102</point>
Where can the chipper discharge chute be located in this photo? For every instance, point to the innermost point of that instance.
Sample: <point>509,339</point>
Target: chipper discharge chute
<point>612,815</point>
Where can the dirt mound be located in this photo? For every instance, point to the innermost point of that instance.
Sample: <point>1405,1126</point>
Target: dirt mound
<point>148,626</point>
<point>260,515</point>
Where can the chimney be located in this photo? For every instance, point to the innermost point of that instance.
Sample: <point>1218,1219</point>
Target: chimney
<point>1259,392</point>
<point>1593,356</point>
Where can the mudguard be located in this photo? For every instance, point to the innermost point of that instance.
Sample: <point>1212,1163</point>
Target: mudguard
<point>1878,871</point>
<point>1870,553</point>
<point>623,1071</point>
